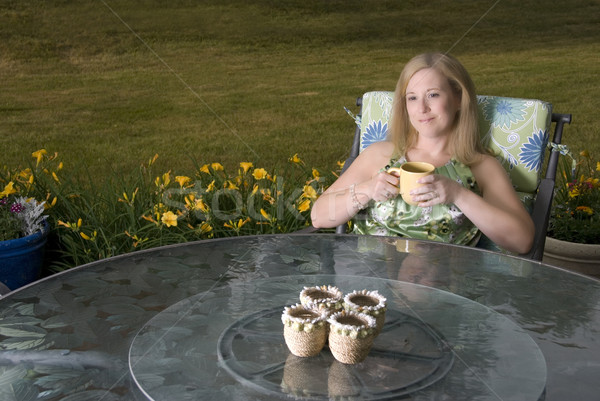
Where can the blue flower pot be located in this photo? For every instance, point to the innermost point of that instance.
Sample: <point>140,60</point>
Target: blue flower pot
<point>21,259</point>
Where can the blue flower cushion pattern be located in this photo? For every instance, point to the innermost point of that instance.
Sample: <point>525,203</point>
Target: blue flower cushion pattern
<point>516,130</point>
<point>375,114</point>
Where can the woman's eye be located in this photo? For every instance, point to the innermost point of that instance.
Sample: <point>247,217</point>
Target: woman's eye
<point>410,98</point>
<point>434,94</point>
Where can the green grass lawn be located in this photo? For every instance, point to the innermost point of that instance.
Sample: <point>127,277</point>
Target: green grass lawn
<point>110,83</point>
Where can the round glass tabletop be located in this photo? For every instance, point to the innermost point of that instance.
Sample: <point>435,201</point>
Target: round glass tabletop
<point>228,344</point>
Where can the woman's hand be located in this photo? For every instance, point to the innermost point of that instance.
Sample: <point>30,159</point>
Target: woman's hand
<point>383,186</point>
<point>337,204</point>
<point>436,189</point>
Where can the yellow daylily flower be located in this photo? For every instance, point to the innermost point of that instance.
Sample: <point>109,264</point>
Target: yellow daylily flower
<point>85,236</point>
<point>246,166</point>
<point>202,206</point>
<point>230,185</point>
<point>8,190</point>
<point>216,166</point>
<point>205,228</point>
<point>24,174</point>
<point>127,200</point>
<point>166,178</point>
<point>236,225</point>
<point>254,189</point>
<point>150,219</point>
<point>39,155</point>
<point>265,214</point>
<point>204,169</point>
<point>304,206</point>
<point>574,192</point>
<point>315,173</point>
<point>309,192</point>
<point>55,177</point>
<point>239,180</point>
<point>196,204</point>
<point>159,209</point>
<point>295,159</point>
<point>182,180</point>
<point>585,209</point>
<point>597,166</point>
<point>259,173</point>
<point>190,201</point>
<point>151,161</point>
<point>60,166</point>
<point>72,226</point>
<point>169,219</point>
<point>211,187</point>
<point>266,193</point>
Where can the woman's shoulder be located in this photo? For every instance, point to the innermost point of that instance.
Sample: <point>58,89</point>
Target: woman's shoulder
<point>487,169</point>
<point>485,161</point>
<point>375,156</point>
<point>380,151</point>
<point>385,147</point>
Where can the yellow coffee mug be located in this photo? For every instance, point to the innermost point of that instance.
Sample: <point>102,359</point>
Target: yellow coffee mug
<point>408,175</point>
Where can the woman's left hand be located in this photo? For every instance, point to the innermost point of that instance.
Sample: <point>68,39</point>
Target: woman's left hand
<point>436,189</point>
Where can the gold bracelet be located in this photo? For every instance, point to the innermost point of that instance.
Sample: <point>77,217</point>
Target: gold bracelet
<point>355,202</point>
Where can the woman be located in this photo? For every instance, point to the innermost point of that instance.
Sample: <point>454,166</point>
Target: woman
<point>434,120</point>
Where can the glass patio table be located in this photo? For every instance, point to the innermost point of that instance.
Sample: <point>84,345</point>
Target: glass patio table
<point>202,320</point>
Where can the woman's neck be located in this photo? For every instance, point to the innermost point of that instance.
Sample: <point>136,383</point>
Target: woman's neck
<point>435,152</point>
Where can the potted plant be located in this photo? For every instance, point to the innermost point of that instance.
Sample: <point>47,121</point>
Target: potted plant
<point>23,234</point>
<point>574,230</point>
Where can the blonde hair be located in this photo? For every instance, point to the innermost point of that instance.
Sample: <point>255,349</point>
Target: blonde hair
<point>465,142</point>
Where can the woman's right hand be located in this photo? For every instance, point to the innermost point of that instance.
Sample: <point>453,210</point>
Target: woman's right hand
<point>383,186</point>
<point>363,178</point>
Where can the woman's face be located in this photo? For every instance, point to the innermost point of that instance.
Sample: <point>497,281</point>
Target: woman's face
<point>431,104</point>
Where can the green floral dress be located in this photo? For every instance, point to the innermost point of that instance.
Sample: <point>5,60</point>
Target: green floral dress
<point>445,223</point>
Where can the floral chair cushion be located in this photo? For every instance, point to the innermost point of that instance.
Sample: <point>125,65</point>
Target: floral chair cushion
<point>515,129</point>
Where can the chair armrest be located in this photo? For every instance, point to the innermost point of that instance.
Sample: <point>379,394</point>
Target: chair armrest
<point>306,230</point>
<point>541,216</point>
<point>543,201</point>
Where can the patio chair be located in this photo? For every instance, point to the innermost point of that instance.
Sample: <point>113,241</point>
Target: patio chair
<point>516,129</point>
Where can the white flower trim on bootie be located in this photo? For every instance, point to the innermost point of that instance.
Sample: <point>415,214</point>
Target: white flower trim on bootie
<point>349,330</point>
<point>333,300</point>
<point>307,324</point>
<point>370,310</point>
